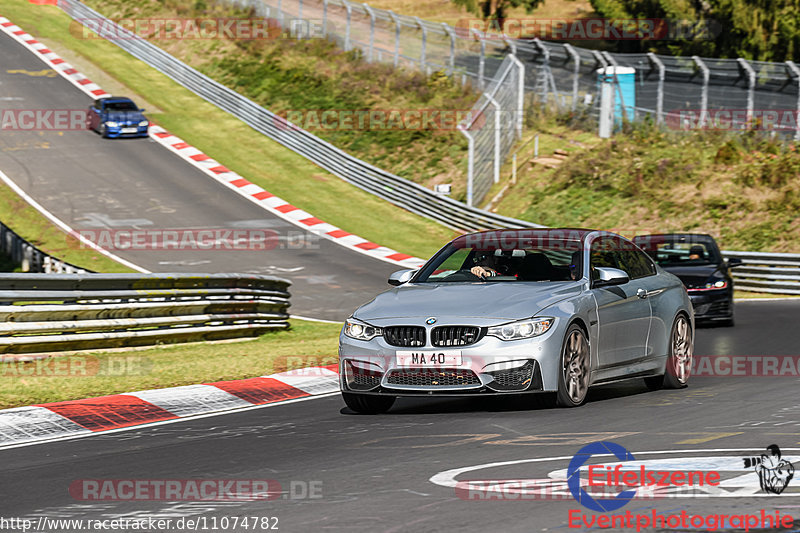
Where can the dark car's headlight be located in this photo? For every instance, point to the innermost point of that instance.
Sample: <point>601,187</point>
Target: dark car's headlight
<point>716,283</point>
<point>522,329</point>
<point>361,331</point>
<point>144,123</point>
<point>111,124</point>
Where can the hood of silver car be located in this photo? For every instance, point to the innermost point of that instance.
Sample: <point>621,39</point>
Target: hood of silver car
<point>500,300</point>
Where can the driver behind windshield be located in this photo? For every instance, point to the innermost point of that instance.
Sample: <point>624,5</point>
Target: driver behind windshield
<point>488,264</point>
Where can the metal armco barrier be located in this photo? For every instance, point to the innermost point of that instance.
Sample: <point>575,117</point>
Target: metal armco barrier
<point>29,257</point>
<point>57,312</point>
<point>394,189</point>
<point>766,272</point>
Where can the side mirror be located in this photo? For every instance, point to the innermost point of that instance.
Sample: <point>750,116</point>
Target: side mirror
<point>734,262</point>
<point>141,110</point>
<point>610,276</point>
<point>401,276</point>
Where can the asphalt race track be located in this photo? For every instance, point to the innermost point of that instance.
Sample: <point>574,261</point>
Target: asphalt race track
<point>94,183</point>
<point>367,473</point>
<point>373,471</point>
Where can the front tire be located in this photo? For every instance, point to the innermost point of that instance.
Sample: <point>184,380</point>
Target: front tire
<point>573,378</point>
<point>681,349</point>
<point>367,404</point>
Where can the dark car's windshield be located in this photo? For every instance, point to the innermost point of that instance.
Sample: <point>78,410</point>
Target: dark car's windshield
<point>680,251</point>
<point>510,259</point>
<point>121,106</point>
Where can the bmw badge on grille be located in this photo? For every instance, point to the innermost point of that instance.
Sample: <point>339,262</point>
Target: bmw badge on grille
<point>431,321</point>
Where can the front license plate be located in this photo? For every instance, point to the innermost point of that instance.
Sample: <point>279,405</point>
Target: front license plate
<point>429,358</point>
<point>130,130</point>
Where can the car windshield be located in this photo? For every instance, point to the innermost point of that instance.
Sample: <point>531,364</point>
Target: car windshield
<point>125,105</point>
<point>686,251</point>
<point>511,259</point>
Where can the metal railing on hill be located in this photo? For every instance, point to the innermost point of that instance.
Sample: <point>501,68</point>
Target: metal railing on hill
<point>43,313</point>
<point>562,75</point>
<point>386,185</point>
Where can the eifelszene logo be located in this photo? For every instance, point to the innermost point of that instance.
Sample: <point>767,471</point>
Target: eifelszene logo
<point>774,473</point>
<point>574,476</point>
<point>628,479</point>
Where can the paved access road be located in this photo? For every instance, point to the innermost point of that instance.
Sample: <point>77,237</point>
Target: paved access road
<point>94,183</point>
<point>374,471</point>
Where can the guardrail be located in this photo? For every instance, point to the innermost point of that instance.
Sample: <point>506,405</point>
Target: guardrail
<point>766,272</point>
<point>57,312</point>
<point>386,185</point>
<point>29,257</point>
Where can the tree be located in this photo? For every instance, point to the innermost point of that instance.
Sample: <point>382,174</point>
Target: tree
<point>766,30</point>
<point>496,9</point>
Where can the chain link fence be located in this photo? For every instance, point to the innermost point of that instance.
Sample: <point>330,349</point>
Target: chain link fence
<point>681,92</point>
<point>493,127</point>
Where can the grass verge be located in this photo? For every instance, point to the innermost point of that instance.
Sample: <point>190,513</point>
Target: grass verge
<point>228,140</point>
<point>744,189</point>
<point>70,377</point>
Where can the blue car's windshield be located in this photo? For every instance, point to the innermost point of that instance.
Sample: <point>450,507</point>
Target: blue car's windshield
<point>490,257</point>
<point>121,106</point>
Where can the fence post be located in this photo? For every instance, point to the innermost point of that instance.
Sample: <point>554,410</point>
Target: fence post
<point>520,95</point>
<point>792,67</point>
<point>393,16</point>
<point>349,9</point>
<point>751,86</point>
<point>606,107</point>
<point>452,35</point>
<point>704,95</point>
<point>324,17</point>
<point>280,13</point>
<point>470,162</point>
<point>576,72</point>
<point>371,31</point>
<point>497,112</point>
<point>424,43</point>
<point>481,59</point>
<point>511,44</point>
<point>546,55</point>
<point>300,9</point>
<point>654,60</point>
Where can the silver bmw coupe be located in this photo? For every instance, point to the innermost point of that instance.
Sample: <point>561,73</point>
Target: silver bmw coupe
<point>519,311</point>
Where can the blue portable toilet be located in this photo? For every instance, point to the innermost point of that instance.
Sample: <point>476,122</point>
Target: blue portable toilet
<point>626,95</point>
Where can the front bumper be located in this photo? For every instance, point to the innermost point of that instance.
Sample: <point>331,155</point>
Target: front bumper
<point>524,366</point>
<point>113,133</point>
<point>712,305</point>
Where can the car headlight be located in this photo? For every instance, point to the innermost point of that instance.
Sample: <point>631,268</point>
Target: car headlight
<point>716,283</point>
<point>144,123</point>
<point>111,124</point>
<point>523,329</point>
<point>360,330</point>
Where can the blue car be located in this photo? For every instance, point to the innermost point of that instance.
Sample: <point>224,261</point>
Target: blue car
<point>117,117</point>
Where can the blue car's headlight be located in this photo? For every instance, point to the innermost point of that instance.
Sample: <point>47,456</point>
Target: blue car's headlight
<point>360,330</point>
<point>144,123</point>
<point>523,329</point>
<point>111,124</point>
